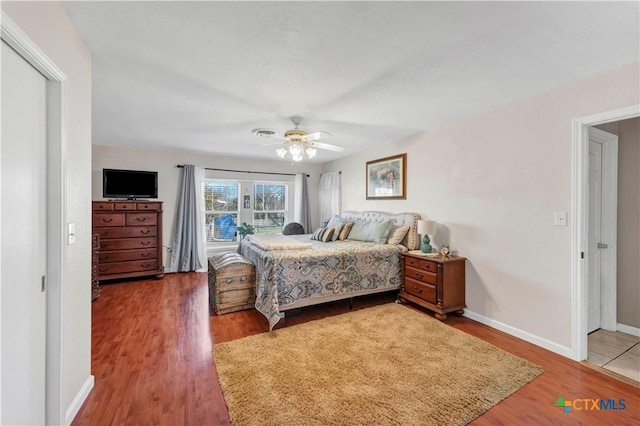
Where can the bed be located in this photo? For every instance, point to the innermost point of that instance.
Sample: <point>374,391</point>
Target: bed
<point>296,270</point>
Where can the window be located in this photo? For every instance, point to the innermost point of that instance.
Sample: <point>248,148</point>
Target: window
<point>229,203</point>
<point>269,207</point>
<point>221,210</point>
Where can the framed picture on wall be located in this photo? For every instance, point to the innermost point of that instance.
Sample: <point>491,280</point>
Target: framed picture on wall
<point>387,178</point>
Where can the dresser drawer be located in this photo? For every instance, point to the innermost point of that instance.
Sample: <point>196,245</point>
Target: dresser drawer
<point>124,255</point>
<point>141,219</point>
<point>108,219</point>
<point>127,232</point>
<point>148,206</point>
<point>421,275</point>
<point>425,264</point>
<point>120,267</point>
<point>124,206</point>
<point>102,206</point>
<point>419,289</point>
<point>128,244</point>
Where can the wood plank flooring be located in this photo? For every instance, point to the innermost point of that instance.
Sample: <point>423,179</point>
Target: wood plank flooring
<point>151,357</point>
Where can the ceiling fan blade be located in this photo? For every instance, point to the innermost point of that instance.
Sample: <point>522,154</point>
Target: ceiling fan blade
<point>277,142</point>
<point>328,147</point>
<point>318,135</point>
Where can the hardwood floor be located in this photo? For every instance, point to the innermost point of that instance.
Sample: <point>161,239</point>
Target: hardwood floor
<point>151,357</point>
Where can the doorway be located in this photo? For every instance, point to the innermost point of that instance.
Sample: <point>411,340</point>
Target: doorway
<point>580,266</point>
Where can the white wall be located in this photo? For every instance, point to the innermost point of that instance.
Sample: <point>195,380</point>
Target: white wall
<point>165,162</point>
<point>48,26</point>
<point>493,182</point>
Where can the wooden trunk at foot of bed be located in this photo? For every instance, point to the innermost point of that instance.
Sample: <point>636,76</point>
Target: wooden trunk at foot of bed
<point>231,283</point>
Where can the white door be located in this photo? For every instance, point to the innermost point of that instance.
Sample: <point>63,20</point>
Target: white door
<point>595,236</point>
<point>23,221</point>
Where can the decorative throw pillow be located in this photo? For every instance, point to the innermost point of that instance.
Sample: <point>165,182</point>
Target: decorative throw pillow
<point>322,234</point>
<point>397,233</point>
<point>336,223</point>
<point>367,230</point>
<point>346,228</point>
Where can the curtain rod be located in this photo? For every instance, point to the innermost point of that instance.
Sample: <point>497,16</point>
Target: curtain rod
<point>245,171</point>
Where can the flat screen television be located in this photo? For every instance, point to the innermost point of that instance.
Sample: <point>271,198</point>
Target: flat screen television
<point>129,184</point>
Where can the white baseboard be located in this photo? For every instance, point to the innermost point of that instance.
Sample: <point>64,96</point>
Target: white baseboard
<point>634,331</point>
<point>77,402</point>
<point>528,337</point>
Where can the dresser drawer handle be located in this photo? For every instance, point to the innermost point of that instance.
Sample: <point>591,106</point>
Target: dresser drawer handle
<point>103,269</point>
<point>145,243</point>
<point>145,254</point>
<point>141,219</point>
<point>104,258</point>
<point>145,265</point>
<point>418,290</point>
<point>108,219</point>
<point>145,231</point>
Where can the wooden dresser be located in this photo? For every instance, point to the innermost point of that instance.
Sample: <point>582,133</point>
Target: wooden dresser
<point>435,283</point>
<point>130,238</point>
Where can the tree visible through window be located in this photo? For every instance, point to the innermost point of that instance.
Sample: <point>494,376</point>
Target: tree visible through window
<point>221,210</point>
<point>269,207</point>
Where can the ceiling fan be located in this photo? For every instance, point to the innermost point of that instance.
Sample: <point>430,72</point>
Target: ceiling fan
<point>296,141</point>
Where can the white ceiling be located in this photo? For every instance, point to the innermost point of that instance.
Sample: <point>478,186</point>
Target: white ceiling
<point>199,76</point>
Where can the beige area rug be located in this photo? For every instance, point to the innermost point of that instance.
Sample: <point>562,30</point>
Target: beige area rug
<point>387,364</point>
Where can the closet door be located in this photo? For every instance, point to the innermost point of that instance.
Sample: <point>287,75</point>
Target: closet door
<point>23,250</point>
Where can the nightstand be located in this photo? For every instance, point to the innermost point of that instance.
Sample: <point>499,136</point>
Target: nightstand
<point>435,283</point>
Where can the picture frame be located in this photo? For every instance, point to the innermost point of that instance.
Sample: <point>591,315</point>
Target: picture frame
<point>387,178</point>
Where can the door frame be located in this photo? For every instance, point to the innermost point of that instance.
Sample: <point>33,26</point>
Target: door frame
<point>609,257</point>
<point>56,86</point>
<point>579,231</point>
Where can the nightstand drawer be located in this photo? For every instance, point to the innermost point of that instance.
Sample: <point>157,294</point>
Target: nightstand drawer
<point>421,275</point>
<point>425,264</point>
<point>419,289</point>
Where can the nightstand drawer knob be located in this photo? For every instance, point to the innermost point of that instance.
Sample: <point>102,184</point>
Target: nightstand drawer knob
<point>418,290</point>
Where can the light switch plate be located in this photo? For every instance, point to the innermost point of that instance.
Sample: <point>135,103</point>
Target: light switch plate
<point>72,233</point>
<point>560,218</point>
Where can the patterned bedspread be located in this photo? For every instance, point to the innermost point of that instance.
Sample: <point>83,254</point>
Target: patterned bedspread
<point>328,269</point>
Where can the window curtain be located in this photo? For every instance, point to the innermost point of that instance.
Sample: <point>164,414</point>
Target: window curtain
<point>302,213</point>
<point>329,194</point>
<point>189,249</point>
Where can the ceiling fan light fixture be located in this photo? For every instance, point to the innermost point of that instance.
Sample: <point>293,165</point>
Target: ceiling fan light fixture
<point>295,150</point>
<point>297,142</point>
